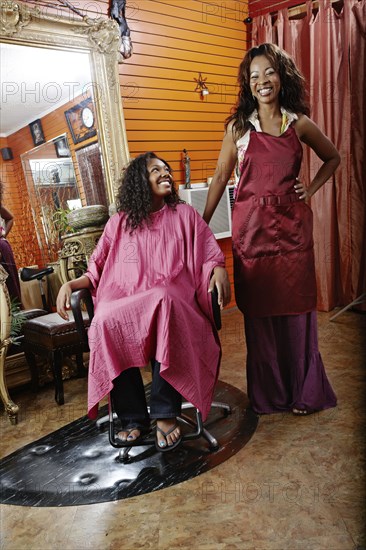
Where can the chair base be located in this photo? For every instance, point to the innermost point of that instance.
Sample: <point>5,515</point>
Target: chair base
<point>198,430</point>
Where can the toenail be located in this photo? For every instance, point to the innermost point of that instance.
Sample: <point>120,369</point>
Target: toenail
<point>162,444</point>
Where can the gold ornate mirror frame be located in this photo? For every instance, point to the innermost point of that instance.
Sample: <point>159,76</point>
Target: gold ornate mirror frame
<point>100,38</point>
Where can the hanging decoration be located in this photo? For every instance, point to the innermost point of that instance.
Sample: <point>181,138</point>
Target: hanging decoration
<point>201,86</point>
<point>118,13</point>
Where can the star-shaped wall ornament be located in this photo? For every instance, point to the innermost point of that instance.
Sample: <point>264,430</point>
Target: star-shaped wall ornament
<point>201,85</point>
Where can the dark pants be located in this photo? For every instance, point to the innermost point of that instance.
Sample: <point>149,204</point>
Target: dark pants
<point>129,401</point>
<point>8,262</point>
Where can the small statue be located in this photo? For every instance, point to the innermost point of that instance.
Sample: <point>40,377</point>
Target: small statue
<point>118,13</point>
<point>187,170</point>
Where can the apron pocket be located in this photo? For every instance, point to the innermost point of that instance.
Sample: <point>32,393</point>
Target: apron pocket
<point>273,230</point>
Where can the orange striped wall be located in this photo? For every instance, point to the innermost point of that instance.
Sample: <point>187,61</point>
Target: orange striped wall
<point>173,42</point>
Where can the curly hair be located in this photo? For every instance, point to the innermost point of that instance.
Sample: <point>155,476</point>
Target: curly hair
<point>292,96</point>
<point>135,197</point>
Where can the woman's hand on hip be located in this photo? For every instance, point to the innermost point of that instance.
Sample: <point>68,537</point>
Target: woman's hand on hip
<point>300,188</point>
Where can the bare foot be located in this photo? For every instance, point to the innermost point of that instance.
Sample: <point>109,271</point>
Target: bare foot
<point>169,434</point>
<point>129,435</point>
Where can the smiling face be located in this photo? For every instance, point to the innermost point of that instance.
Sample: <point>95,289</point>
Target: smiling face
<point>160,180</point>
<point>265,82</point>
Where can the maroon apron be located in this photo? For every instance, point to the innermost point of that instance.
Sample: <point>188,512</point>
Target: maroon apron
<point>272,231</point>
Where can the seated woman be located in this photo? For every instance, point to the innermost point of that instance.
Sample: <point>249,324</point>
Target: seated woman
<point>151,274</point>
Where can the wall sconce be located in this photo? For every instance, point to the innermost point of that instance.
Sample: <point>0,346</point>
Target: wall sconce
<point>201,86</point>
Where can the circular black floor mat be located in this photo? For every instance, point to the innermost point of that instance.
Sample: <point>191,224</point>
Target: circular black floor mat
<point>76,465</point>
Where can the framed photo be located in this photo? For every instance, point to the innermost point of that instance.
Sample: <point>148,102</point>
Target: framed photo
<point>37,132</point>
<point>62,147</point>
<point>81,121</point>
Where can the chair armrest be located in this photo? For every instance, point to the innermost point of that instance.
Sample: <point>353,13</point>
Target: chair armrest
<point>216,308</point>
<point>77,297</point>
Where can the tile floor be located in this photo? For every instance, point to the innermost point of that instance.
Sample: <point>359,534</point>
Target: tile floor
<point>297,485</point>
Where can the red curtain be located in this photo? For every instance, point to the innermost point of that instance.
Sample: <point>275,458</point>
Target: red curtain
<point>329,48</point>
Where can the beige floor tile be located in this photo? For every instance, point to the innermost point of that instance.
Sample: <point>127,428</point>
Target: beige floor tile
<point>297,485</point>
<point>41,528</point>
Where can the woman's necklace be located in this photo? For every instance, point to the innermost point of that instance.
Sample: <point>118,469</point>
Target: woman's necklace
<point>283,123</point>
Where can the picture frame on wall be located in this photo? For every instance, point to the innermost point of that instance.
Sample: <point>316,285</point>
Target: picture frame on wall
<point>62,147</point>
<point>81,121</point>
<point>37,132</point>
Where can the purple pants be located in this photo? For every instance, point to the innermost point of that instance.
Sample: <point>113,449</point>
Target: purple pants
<point>284,366</point>
<point>8,262</point>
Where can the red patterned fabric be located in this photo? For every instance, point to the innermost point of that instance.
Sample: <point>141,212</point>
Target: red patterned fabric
<point>152,301</point>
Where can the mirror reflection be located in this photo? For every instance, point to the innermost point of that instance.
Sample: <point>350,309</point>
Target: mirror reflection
<point>48,111</point>
<point>52,189</point>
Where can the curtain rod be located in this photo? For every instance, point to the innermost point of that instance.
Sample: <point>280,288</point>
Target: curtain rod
<point>301,8</point>
<point>294,10</point>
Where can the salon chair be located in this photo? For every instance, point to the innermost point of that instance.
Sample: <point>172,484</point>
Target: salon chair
<point>83,296</point>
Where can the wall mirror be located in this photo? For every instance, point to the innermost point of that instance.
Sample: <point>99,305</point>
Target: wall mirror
<point>86,162</point>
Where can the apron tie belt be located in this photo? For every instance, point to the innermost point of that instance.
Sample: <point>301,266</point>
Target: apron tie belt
<point>277,200</point>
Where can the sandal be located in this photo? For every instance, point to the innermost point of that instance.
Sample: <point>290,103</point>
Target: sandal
<point>302,412</point>
<point>165,434</point>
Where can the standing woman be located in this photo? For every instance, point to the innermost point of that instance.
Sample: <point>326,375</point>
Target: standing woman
<point>274,273</point>
<point>6,253</point>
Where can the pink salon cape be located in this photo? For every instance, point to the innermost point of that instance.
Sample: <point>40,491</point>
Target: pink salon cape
<point>272,231</point>
<point>152,301</point>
